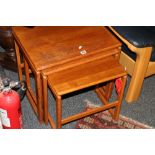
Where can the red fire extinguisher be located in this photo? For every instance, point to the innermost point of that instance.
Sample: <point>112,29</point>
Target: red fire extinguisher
<point>10,110</point>
<point>10,107</point>
<point>11,94</point>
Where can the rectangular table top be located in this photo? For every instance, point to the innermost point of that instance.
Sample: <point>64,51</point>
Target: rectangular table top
<point>89,74</point>
<point>47,46</point>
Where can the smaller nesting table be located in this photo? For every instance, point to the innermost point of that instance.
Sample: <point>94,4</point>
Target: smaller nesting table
<point>100,73</point>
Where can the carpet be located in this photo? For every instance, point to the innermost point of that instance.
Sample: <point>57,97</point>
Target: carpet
<point>103,120</point>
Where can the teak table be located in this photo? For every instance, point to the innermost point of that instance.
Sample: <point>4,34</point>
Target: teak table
<point>43,51</point>
<point>101,73</point>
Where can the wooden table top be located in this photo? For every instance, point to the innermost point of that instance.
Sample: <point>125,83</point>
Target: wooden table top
<point>46,46</point>
<point>79,77</point>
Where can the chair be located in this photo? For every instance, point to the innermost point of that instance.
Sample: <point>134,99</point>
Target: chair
<point>137,56</point>
<point>7,48</point>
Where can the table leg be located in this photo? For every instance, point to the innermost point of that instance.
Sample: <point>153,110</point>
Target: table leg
<point>45,98</point>
<point>108,90</point>
<point>39,96</point>
<point>120,98</point>
<point>19,64</point>
<point>59,111</point>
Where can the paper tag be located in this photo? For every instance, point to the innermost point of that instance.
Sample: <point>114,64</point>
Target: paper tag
<point>4,118</point>
<point>1,124</point>
<point>6,122</point>
<point>83,52</point>
<point>3,113</point>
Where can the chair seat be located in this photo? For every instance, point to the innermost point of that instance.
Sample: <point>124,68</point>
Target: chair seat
<point>141,41</point>
<point>139,37</point>
<point>132,55</point>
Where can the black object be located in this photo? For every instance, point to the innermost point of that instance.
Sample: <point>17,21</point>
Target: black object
<point>18,86</point>
<point>3,77</point>
<point>21,89</point>
<point>7,48</point>
<point>138,36</point>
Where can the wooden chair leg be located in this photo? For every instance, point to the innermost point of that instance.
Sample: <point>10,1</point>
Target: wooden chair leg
<point>138,76</point>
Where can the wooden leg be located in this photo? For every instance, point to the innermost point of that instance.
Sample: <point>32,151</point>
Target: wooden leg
<point>120,98</point>
<point>138,76</point>
<point>39,96</point>
<point>27,76</point>
<point>45,99</point>
<point>59,111</point>
<point>102,95</point>
<point>109,89</point>
<point>35,100</point>
<point>18,62</point>
<point>46,114</point>
<point>106,90</point>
